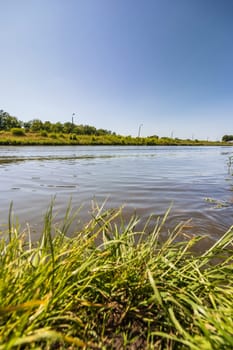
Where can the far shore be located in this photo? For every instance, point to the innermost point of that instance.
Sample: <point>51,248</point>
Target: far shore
<point>37,138</point>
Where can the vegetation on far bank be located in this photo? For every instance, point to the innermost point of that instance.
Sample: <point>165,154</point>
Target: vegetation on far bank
<point>131,290</point>
<point>20,137</point>
<point>36,132</point>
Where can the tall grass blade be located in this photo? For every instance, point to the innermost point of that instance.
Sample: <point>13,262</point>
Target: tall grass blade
<point>113,286</point>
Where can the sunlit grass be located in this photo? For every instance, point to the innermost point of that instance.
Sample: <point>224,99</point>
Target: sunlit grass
<point>44,138</point>
<point>128,292</point>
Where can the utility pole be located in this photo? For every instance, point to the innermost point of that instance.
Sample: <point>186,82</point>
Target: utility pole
<point>139,130</point>
<point>73,114</point>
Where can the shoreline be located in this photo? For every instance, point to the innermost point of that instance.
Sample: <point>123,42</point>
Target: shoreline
<point>34,139</point>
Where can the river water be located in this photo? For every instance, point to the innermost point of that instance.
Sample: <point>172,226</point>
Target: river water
<point>145,180</point>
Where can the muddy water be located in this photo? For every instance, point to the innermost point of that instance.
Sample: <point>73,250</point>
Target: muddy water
<point>145,179</point>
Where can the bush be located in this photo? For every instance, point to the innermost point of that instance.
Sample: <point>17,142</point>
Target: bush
<point>53,136</point>
<point>73,137</point>
<point>17,132</point>
<point>44,133</point>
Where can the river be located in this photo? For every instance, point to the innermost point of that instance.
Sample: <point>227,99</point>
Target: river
<point>145,180</point>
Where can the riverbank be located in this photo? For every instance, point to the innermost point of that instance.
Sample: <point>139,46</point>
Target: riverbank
<point>129,292</point>
<point>44,138</point>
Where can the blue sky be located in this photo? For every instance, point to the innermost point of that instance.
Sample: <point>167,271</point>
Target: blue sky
<point>166,64</point>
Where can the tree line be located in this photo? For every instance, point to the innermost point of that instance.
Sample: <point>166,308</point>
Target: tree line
<point>8,122</point>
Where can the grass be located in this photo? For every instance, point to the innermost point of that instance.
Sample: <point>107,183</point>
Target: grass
<point>44,138</point>
<point>129,291</point>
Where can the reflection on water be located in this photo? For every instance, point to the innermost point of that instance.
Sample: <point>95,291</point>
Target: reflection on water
<point>145,179</point>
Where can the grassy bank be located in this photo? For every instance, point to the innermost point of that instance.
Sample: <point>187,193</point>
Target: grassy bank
<point>41,138</point>
<point>71,293</point>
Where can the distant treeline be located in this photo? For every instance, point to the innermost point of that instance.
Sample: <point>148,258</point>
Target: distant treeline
<point>8,122</point>
<point>37,127</point>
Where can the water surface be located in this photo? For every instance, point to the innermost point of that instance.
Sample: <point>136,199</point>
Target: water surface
<point>145,179</point>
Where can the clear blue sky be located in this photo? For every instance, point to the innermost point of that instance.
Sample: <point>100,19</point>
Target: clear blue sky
<point>166,64</point>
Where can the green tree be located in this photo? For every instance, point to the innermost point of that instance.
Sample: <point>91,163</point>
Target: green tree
<point>36,125</point>
<point>79,130</point>
<point>8,122</point>
<point>57,127</point>
<point>89,130</point>
<point>68,127</point>
<point>27,125</point>
<point>2,119</point>
<point>47,126</point>
<point>227,138</point>
<point>101,132</point>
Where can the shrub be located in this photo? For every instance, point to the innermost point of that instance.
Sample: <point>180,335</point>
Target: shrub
<point>17,132</point>
<point>53,136</point>
<point>44,133</point>
<point>73,137</point>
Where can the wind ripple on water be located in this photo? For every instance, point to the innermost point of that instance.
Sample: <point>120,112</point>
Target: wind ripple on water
<point>147,180</point>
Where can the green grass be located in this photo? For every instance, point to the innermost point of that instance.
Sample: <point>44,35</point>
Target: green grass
<point>112,287</point>
<point>44,138</point>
